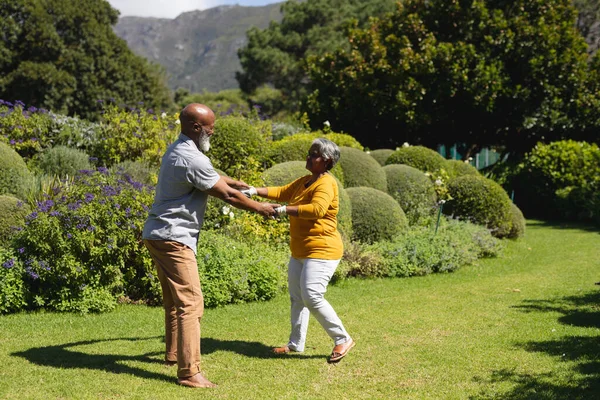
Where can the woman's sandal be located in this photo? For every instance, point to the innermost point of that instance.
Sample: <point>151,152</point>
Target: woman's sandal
<point>340,351</point>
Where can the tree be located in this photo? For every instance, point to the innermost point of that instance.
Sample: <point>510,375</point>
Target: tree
<point>276,56</point>
<point>483,72</point>
<point>63,55</point>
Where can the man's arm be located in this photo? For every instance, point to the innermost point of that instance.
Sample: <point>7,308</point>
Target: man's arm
<point>235,184</point>
<point>228,194</point>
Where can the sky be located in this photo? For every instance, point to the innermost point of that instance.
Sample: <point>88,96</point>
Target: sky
<point>172,8</point>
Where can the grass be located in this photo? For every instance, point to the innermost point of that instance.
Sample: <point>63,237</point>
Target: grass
<point>523,326</point>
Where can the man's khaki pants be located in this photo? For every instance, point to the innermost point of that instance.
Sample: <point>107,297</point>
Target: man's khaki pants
<point>183,302</point>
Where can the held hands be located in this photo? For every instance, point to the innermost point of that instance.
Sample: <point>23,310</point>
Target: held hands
<point>249,192</point>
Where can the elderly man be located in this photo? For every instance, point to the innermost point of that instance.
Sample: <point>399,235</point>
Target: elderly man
<point>171,232</point>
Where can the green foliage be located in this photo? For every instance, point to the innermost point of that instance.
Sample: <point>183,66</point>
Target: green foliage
<point>375,215</point>
<point>360,169</point>
<point>419,157</point>
<point>284,173</point>
<point>518,222</point>
<point>224,102</point>
<point>234,272</point>
<point>15,178</point>
<point>419,251</point>
<point>361,260</point>
<point>62,161</point>
<point>282,129</point>
<point>12,218</point>
<point>381,155</point>
<point>413,190</point>
<point>239,145</point>
<point>559,179</point>
<point>133,134</point>
<point>456,168</point>
<point>275,55</point>
<point>481,201</point>
<point>490,72</point>
<point>81,248</point>
<point>138,171</point>
<point>12,288</point>
<point>64,56</point>
<point>27,130</point>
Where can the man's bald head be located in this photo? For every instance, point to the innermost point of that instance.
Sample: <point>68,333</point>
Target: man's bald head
<point>196,113</point>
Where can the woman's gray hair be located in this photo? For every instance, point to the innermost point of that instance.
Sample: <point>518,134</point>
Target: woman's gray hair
<point>328,150</point>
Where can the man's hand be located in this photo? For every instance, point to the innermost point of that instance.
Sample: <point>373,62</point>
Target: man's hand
<point>251,191</point>
<point>267,210</point>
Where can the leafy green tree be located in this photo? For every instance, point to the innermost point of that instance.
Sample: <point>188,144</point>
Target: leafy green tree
<point>483,72</point>
<point>63,55</point>
<point>276,55</point>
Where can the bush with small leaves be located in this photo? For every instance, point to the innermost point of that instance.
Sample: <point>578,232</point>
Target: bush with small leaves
<point>481,201</point>
<point>62,161</point>
<point>375,215</point>
<point>413,190</point>
<point>295,147</point>
<point>13,292</point>
<point>419,157</point>
<point>360,169</point>
<point>15,177</point>
<point>518,222</point>
<point>138,171</point>
<point>12,218</point>
<point>235,272</point>
<point>381,155</point>
<point>456,168</point>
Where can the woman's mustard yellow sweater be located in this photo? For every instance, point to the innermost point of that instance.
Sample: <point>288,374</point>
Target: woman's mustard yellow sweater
<point>313,233</point>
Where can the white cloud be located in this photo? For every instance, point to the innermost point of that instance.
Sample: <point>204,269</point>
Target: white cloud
<point>172,8</point>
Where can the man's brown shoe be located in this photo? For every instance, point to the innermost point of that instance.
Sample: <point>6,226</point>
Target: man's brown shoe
<point>196,381</point>
<point>340,351</point>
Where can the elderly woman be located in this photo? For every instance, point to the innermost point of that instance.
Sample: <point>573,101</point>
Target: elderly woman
<point>316,246</point>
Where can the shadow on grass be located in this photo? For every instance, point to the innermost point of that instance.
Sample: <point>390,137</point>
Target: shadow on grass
<point>583,352</point>
<point>570,225</point>
<point>64,356</point>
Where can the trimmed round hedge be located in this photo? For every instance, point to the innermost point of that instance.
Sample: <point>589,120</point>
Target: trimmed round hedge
<point>412,189</point>
<point>456,168</point>
<point>419,157</point>
<point>381,155</point>
<point>376,215</point>
<point>481,201</point>
<point>360,169</point>
<point>63,161</point>
<point>284,173</point>
<point>15,177</point>
<point>295,147</point>
<point>518,222</point>
<point>12,215</point>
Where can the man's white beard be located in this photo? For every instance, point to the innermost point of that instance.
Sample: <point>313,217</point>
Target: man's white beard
<point>204,143</point>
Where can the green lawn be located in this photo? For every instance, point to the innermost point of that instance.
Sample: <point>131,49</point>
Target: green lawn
<point>523,326</point>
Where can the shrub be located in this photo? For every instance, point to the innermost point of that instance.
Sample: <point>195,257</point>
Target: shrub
<point>381,155</point>
<point>15,178</point>
<point>375,215</point>
<point>295,147</point>
<point>13,292</point>
<point>557,179</point>
<point>74,132</point>
<point>518,222</point>
<point>361,260</point>
<point>27,130</point>
<point>82,247</point>
<point>238,145</point>
<point>420,251</point>
<point>360,169</point>
<point>62,161</point>
<point>12,218</point>
<point>138,171</point>
<point>234,272</point>
<point>412,189</point>
<point>280,130</point>
<point>481,201</point>
<point>456,168</point>
<point>419,157</point>
<point>137,135</point>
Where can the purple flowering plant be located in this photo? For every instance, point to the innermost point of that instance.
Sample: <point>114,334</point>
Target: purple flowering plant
<point>12,287</point>
<point>81,246</point>
<point>25,129</point>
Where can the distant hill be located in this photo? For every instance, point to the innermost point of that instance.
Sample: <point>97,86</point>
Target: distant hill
<point>198,48</point>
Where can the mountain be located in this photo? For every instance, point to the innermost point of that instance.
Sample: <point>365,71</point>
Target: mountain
<point>198,49</point>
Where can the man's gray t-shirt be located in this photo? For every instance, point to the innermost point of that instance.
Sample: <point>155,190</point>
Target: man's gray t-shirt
<point>180,199</point>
